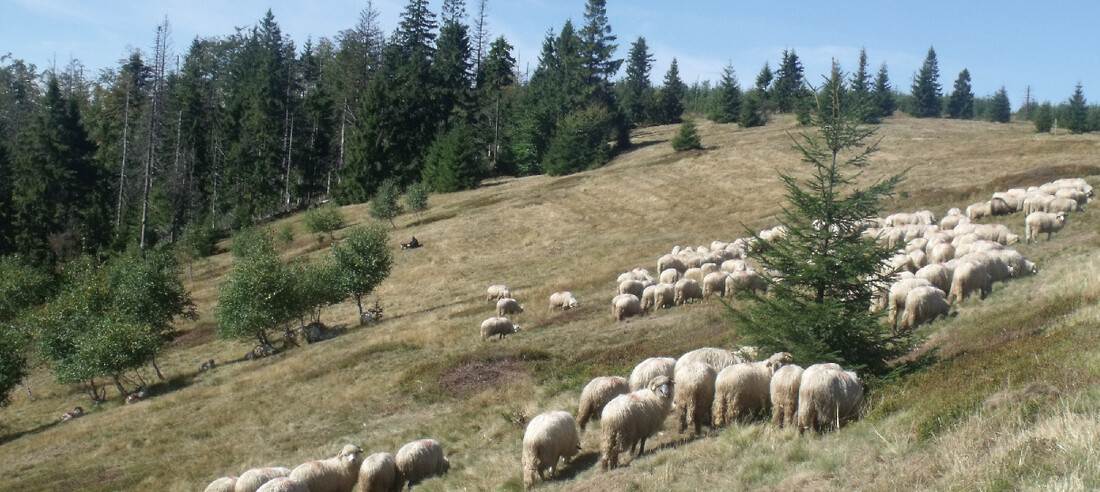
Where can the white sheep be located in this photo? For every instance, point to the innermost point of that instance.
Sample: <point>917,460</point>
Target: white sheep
<point>252,479</point>
<point>508,306</point>
<point>1076,195</point>
<point>828,396</point>
<point>937,274</point>
<point>694,273</point>
<point>650,368</point>
<point>1039,222</point>
<point>941,252</point>
<point>648,298</point>
<point>714,284</point>
<point>687,290</point>
<point>632,286</point>
<point>745,281</point>
<point>742,390</point>
<point>950,221</point>
<point>564,300</point>
<point>549,436</point>
<point>1019,265</point>
<point>378,473</point>
<point>624,306</point>
<point>336,474</point>
<point>224,484</point>
<point>694,395</point>
<point>628,420</point>
<point>783,390</point>
<point>286,484</point>
<point>734,265</point>
<point>969,276</point>
<point>923,305</point>
<point>642,275</point>
<point>998,233</point>
<point>671,261</point>
<point>997,268</point>
<point>716,358</point>
<point>495,292</point>
<point>420,460</point>
<point>596,394</point>
<point>497,326</point>
<point>664,295</point>
<point>978,210</point>
<point>898,291</point>
<point>1061,204</point>
<point>669,276</point>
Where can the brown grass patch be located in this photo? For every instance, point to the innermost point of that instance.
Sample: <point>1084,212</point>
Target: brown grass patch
<point>478,376</point>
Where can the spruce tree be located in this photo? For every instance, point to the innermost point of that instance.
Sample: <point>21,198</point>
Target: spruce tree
<point>454,162</point>
<point>861,89</point>
<point>764,82</point>
<point>789,92</point>
<point>1077,113</point>
<point>637,92</point>
<point>727,98</point>
<point>926,88</point>
<point>883,94</point>
<point>1044,118</point>
<point>753,110</point>
<point>495,87</point>
<point>1000,109</point>
<point>670,99</point>
<point>687,138</point>
<point>825,271</point>
<point>452,66</point>
<point>598,44</point>
<point>961,103</point>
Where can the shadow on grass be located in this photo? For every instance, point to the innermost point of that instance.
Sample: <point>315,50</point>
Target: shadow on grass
<point>11,437</point>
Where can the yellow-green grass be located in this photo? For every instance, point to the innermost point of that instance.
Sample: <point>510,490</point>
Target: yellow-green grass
<point>424,372</point>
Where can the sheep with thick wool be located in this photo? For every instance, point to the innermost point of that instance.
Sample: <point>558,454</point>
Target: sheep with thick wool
<point>624,306</point>
<point>998,233</point>
<point>1039,222</point>
<point>688,290</point>
<point>596,394</point>
<point>650,368</point>
<point>714,283</point>
<point>997,268</point>
<point>745,280</point>
<point>285,484</point>
<point>828,396</point>
<point>898,291</point>
<point>631,286</point>
<point>694,395</point>
<point>497,292</point>
<point>549,437</point>
<point>564,300</point>
<point>1020,266</point>
<point>419,460</point>
<point>648,298</point>
<point>508,306</point>
<point>253,479</point>
<point>628,420</point>
<point>224,484</point>
<point>716,358</point>
<point>497,326</point>
<point>669,276</point>
<point>937,274</point>
<point>970,276</point>
<point>923,304</point>
<point>664,295</point>
<point>743,390</point>
<point>378,473</point>
<point>674,261</point>
<point>783,390</point>
<point>337,474</point>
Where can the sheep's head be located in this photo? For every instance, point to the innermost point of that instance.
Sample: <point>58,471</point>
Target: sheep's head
<point>777,360</point>
<point>350,453</point>
<point>661,385</point>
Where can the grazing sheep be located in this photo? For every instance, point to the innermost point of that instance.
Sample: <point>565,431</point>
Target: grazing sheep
<point>694,273</point>
<point>969,277</point>
<point>336,474</point>
<point>287,484</point>
<point>648,298</point>
<point>563,300</point>
<point>650,368</point>
<point>714,283</point>
<point>828,396</point>
<point>253,479</point>
<point>419,460</point>
<point>742,390</point>
<point>998,206</point>
<point>634,287</point>
<point>951,221</point>
<point>549,436</point>
<point>595,396</point>
<point>941,253</point>
<point>997,268</point>
<point>1016,262</point>
<point>664,295</point>
<point>694,395</point>
<point>745,280</point>
<point>784,394</point>
<point>508,306</point>
<point>628,420</point>
<point>998,233</point>
<point>1076,195</point>
<point>734,265</point>
<point>1061,204</point>
<point>497,326</point>
<point>669,276</point>
<point>898,291</point>
<point>687,290</point>
<point>716,358</point>
<point>1039,222</point>
<point>643,275</point>
<point>224,484</point>
<point>378,473</point>
<point>977,246</point>
<point>923,305</point>
<point>671,261</point>
<point>978,210</point>
<point>937,274</point>
<point>496,292</point>
<point>624,306</point>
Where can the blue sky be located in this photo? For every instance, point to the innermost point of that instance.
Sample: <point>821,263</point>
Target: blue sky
<point>1050,45</point>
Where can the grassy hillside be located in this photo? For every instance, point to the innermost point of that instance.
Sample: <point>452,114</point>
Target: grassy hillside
<point>971,418</point>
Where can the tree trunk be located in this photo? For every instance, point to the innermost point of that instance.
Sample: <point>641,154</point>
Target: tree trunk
<point>159,375</point>
<point>118,384</point>
<point>122,166</point>
<point>27,386</point>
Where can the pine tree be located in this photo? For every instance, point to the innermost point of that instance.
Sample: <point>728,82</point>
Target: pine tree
<point>495,84</point>
<point>961,103</point>
<point>637,92</point>
<point>1077,113</point>
<point>1044,118</point>
<point>825,271</point>
<point>1000,109</point>
<point>687,138</point>
<point>753,110</point>
<point>727,98</point>
<point>452,66</point>
<point>789,91</point>
<point>883,94</point>
<point>598,44</point>
<point>764,82</point>
<point>861,89</point>
<point>454,162</point>
<point>926,88</point>
<point>670,99</point>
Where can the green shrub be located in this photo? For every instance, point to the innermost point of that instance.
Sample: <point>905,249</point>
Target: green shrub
<point>324,219</point>
<point>688,138</point>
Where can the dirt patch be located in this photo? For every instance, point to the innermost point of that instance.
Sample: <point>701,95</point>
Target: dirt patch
<point>192,338</point>
<point>476,376</point>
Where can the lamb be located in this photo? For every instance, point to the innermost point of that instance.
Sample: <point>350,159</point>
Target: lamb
<point>286,484</point>
<point>937,274</point>
<point>664,295</point>
<point>923,305</point>
<point>742,390</point>
<point>252,479</point>
<point>783,390</point>
<point>378,473</point>
<point>716,358</point>
<point>634,287</point>
<point>828,396</point>
<point>563,300</point>
<point>969,276</point>
<point>224,484</point>
<point>595,396</point>
<point>625,305</point>
<point>687,290</point>
<point>694,395</point>
<point>419,460</point>
<point>508,306</point>
<point>628,420</point>
<point>497,326</point>
<point>745,280</point>
<point>496,292</point>
<point>669,276</point>
<point>714,283</point>
<point>336,474</point>
<point>549,436</point>
<point>650,368</point>
<point>1039,222</point>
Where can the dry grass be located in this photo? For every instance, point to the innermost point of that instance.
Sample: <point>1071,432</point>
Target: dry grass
<point>423,371</point>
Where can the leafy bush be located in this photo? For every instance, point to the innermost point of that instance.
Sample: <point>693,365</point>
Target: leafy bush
<point>323,219</point>
<point>258,294</point>
<point>384,206</point>
<point>363,261</point>
<point>416,198</point>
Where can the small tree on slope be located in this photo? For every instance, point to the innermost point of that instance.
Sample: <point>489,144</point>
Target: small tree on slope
<point>822,273</point>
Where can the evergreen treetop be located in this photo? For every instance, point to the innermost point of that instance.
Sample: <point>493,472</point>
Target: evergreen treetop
<point>926,88</point>
<point>961,103</point>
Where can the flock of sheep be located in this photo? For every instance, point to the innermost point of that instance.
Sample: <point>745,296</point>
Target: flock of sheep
<point>379,472</point>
